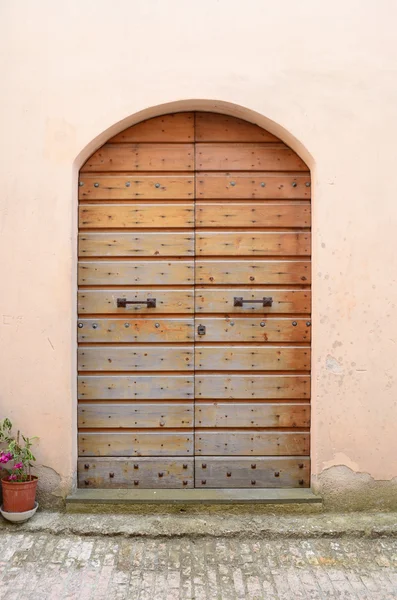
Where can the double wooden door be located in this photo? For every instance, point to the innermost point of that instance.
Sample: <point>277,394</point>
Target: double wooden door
<point>194,308</point>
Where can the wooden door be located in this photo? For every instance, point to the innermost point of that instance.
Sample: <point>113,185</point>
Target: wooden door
<point>194,308</point>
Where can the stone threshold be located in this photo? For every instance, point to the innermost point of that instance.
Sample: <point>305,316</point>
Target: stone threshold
<point>193,496</point>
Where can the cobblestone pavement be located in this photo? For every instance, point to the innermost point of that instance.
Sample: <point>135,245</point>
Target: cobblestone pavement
<point>43,566</point>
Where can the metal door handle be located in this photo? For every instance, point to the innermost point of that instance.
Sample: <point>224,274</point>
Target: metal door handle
<point>122,302</point>
<point>266,301</point>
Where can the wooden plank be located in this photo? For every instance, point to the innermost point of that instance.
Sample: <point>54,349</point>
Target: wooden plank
<point>253,243</point>
<point>255,358</point>
<point>141,157</point>
<point>135,358</point>
<point>136,216</point>
<point>250,472</point>
<point>247,157</point>
<point>145,473</point>
<point>140,416</point>
<point>135,387</point>
<point>136,244</point>
<point>127,443</point>
<point>252,386</point>
<point>245,414</point>
<point>222,301</point>
<point>241,186</point>
<point>260,272</point>
<point>135,187</point>
<point>176,127</point>
<point>253,215</point>
<point>235,329</point>
<point>251,443</point>
<point>105,301</point>
<point>163,272</point>
<point>214,127</point>
<point>129,330</point>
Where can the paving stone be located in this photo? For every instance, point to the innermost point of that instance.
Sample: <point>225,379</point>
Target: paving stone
<point>42,566</point>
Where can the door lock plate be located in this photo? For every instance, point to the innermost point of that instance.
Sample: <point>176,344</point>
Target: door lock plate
<point>201,330</point>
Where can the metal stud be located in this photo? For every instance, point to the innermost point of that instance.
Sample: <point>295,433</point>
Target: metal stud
<point>307,184</point>
<point>263,184</point>
<point>161,474</point>
<point>86,482</point>
<point>301,482</point>
<point>294,184</point>
<point>157,185</point>
<point>252,278</point>
<point>126,325</point>
<point>204,465</point>
<point>81,183</point>
<point>111,475</point>
<point>185,466</point>
<point>300,465</point>
<point>308,323</point>
<point>294,323</point>
<point>232,183</point>
<point>277,474</point>
<point>162,423</point>
<point>184,482</point>
<point>128,184</point>
<point>80,325</point>
<point>229,474</point>
<point>96,184</point>
<point>253,481</point>
<point>262,323</point>
<point>86,466</point>
<point>203,481</point>
<point>232,323</point>
<point>157,325</point>
<point>95,325</point>
<point>136,466</point>
<point>136,482</point>
<point>253,466</point>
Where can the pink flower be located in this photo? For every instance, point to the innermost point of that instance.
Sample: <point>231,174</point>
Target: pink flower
<point>5,457</point>
<point>18,465</point>
<point>12,477</point>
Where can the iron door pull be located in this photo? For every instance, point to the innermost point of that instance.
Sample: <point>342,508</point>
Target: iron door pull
<point>266,301</point>
<point>122,302</point>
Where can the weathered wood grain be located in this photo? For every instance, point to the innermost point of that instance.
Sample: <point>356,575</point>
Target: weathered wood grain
<point>253,243</point>
<point>105,301</point>
<point>252,472</point>
<point>136,216</point>
<point>252,386</point>
<point>247,186</point>
<point>214,127</point>
<point>141,416</point>
<point>136,244</point>
<point>222,301</point>
<point>245,414</point>
<point>136,358</point>
<point>127,443</point>
<point>252,215</point>
<point>176,127</point>
<point>259,272</point>
<point>247,157</point>
<point>135,187</point>
<point>251,443</point>
<point>162,272</point>
<point>255,358</point>
<point>135,387</point>
<point>135,472</point>
<point>235,329</point>
<point>141,157</point>
<point>135,330</point>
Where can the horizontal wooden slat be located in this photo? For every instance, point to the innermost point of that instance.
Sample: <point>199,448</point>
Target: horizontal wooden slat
<point>243,443</point>
<point>234,329</point>
<point>176,127</point>
<point>136,244</point>
<point>247,157</point>
<point>252,472</point>
<point>136,215</point>
<point>240,186</point>
<point>135,187</point>
<point>135,358</point>
<point>136,444</point>
<point>255,358</point>
<point>135,387</point>
<point>222,301</point>
<point>135,472</point>
<point>252,386</point>
<point>260,272</point>
<point>105,301</point>
<point>214,127</point>
<point>136,272</point>
<point>129,330</point>
<point>252,215</point>
<point>245,414</point>
<point>253,243</point>
<point>141,157</point>
<point>140,416</point>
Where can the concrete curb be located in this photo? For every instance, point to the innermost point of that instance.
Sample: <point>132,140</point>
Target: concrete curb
<point>270,526</point>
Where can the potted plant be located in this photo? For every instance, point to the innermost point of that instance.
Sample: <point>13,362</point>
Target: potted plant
<point>19,486</point>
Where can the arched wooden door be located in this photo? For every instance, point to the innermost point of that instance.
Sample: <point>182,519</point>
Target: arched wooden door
<point>194,308</point>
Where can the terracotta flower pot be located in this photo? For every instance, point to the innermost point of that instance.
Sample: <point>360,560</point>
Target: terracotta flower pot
<point>19,496</point>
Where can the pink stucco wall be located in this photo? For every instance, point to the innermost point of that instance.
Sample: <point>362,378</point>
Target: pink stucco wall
<point>319,75</point>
